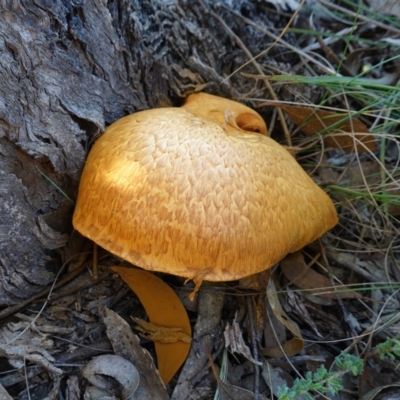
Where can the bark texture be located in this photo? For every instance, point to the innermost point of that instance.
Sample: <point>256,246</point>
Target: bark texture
<point>67,70</point>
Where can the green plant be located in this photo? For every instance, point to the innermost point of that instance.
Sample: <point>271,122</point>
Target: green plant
<point>57,187</point>
<point>322,380</point>
<point>390,348</point>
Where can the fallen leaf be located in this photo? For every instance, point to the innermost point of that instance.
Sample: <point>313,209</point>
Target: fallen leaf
<point>4,394</point>
<point>256,282</point>
<point>275,377</point>
<point>350,134</point>
<point>372,394</point>
<point>301,275</point>
<point>292,346</point>
<point>72,388</point>
<point>94,393</point>
<point>300,309</point>
<point>274,331</point>
<point>227,391</point>
<point>234,339</point>
<point>127,345</point>
<point>163,308</point>
<point>375,378</point>
<point>123,371</point>
<point>160,333</point>
<point>230,392</point>
<point>341,130</point>
<point>31,346</point>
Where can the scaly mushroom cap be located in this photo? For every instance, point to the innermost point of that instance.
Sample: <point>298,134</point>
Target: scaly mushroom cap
<point>170,190</point>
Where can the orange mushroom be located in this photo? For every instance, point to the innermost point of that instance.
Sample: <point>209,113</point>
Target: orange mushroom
<point>198,191</point>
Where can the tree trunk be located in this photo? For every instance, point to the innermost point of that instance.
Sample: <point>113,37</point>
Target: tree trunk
<point>68,68</point>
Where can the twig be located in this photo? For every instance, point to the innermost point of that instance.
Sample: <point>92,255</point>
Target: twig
<point>254,343</point>
<point>300,52</point>
<point>252,59</point>
<point>213,357</point>
<point>359,16</point>
<point>26,380</point>
<point>44,292</point>
<point>339,299</point>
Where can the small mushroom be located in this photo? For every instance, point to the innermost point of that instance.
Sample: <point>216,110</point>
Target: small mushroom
<point>198,191</point>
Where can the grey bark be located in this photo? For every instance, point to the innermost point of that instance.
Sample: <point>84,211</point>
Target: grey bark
<point>68,68</point>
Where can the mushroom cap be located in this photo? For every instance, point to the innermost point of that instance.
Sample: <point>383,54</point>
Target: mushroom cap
<point>170,190</point>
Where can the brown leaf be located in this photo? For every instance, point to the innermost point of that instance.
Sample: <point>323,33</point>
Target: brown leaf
<point>160,333</point>
<point>164,309</point>
<point>274,331</point>
<point>256,282</point>
<point>375,378</point>
<point>127,345</point>
<point>292,346</point>
<point>342,132</point>
<point>299,274</point>
<point>298,307</point>
<point>234,339</point>
<point>228,391</point>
